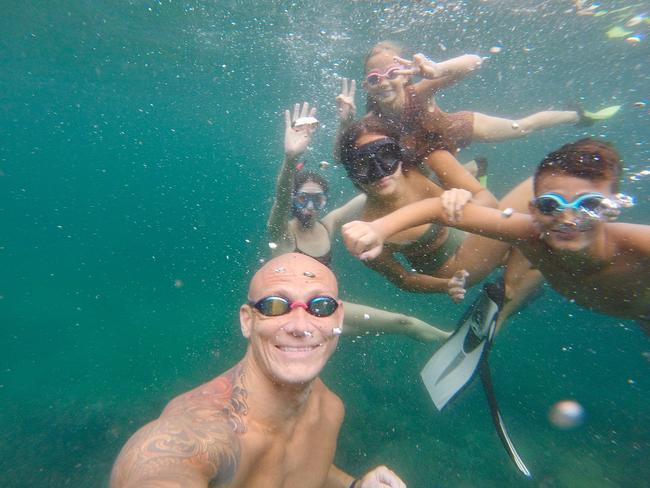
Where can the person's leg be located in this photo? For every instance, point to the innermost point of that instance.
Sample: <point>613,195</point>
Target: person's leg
<point>477,167</point>
<point>523,284</point>
<point>491,129</point>
<point>362,319</point>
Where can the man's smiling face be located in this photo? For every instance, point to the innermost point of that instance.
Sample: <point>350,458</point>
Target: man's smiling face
<point>294,347</point>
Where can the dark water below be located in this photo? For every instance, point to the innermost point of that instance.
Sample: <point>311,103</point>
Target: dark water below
<point>139,145</point>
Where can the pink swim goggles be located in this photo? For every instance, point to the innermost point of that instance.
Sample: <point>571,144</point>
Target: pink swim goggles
<point>375,76</point>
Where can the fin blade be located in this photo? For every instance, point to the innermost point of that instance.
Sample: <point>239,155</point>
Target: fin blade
<point>604,114</point>
<point>454,364</point>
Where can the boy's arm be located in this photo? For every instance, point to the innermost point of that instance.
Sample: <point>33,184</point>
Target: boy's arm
<point>633,237</point>
<point>365,239</point>
<point>437,76</point>
<point>177,451</point>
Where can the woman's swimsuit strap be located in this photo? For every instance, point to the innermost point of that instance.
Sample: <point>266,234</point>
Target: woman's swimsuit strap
<point>325,259</point>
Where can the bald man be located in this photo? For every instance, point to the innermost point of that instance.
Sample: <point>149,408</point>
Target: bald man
<point>269,422</point>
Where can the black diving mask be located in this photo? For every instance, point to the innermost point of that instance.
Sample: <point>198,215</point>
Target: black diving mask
<point>374,161</point>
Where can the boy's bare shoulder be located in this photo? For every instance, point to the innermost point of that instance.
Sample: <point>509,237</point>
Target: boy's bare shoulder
<point>195,437</point>
<point>630,237</point>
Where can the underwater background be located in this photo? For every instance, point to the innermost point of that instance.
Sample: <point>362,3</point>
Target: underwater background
<point>139,145</point>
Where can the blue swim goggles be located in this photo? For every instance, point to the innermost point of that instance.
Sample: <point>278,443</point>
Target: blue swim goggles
<point>554,204</point>
<point>302,199</point>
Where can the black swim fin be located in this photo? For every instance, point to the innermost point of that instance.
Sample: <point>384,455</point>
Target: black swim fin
<point>455,363</point>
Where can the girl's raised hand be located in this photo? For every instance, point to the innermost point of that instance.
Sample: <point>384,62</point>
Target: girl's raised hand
<point>419,66</point>
<point>346,108</point>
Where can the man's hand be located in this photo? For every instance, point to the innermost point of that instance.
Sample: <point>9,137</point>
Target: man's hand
<point>453,201</point>
<point>380,477</point>
<point>296,139</point>
<point>456,286</point>
<point>347,110</point>
<point>362,239</point>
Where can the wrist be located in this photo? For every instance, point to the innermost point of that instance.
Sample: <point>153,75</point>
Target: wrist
<point>291,157</point>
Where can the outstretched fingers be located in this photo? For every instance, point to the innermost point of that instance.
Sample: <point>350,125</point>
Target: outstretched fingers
<point>287,120</point>
<point>456,286</point>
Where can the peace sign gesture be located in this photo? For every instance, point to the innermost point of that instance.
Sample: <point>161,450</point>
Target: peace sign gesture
<point>345,101</point>
<point>419,66</point>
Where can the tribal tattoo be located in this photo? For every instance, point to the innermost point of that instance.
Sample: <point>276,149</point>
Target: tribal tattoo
<point>195,437</point>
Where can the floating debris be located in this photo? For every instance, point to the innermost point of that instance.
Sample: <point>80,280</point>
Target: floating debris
<point>617,32</point>
<point>515,125</point>
<point>634,39</point>
<point>309,274</point>
<point>305,123</point>
<point>281,269</point>
<point>337,331</point>
<point>178,283</point>
<point>496,49</point>
<point>273,245</point>
<point>636,20</point>
<point>323,165</point>
<point>640,104</point>
<point>506,213</point>
<point>366,316</point>
<point>567,414</point>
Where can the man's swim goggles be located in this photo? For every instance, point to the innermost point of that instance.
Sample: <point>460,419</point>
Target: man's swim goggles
<point>593,205</point>
<point>301,199</point>
<point>375,160</point>
<point>273,306</point>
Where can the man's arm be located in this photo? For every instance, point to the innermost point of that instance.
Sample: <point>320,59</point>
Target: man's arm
<point>179,450</point>
<point>379,476</point>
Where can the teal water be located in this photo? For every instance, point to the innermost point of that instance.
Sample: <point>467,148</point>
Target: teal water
<point>139,145</point>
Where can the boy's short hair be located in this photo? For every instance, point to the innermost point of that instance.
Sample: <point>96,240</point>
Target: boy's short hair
<point>587,158</point>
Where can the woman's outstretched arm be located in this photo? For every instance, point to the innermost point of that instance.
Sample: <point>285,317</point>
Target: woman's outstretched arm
<point>296,140</point>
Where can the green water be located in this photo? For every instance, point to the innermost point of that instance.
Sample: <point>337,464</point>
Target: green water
<point>139,141</point>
